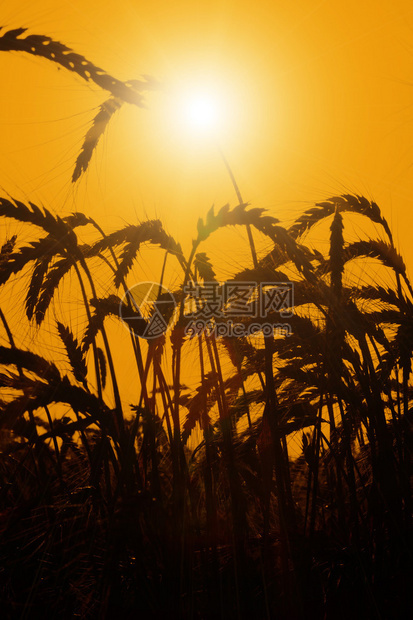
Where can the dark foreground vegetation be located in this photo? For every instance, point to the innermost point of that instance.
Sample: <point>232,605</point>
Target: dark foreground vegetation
<point>195,503</point>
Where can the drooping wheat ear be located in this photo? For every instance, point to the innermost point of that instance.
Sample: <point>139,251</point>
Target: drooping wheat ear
<point>30,361</point>
<point>93,135</point>
<point>278,256</point>
<point>207,395</point>
<point>14,262</point>
<point>39,272</point>
<point>386,296</point>
<point>346,202</point>
<point>203,267</point>
<point>77,219</point>
<point>297,253</point>
<point>375,248</point>
<point>103,308</point>
<point>50,285</point>
<point>61,232</point>
<point>40,394</point>
<point>7,248</point>
<point>122,91</point>
<point>266,224</point>
<point>132,236</point>
<point>386,253</point>
<point>41,251</point>
<point>46,47</point>
<point>239,216</point>
<point>74,353</point>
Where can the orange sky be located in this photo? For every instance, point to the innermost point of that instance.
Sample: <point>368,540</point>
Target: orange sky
<point>321,97</point>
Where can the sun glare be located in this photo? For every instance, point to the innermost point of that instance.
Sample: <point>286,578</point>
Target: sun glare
<point>195,109</point>
<point>202,112</point>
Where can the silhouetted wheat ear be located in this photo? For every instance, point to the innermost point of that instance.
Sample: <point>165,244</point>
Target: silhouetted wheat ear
<point>30,361</point>
<point>275,258</point>
<point>40,269</point>
<point>404,342</point>
<point>17,381</point>
<point>102,366</point>
<point>81,400</point>
<point>16,261</point>
<point>32,214</point>
<point>57,390</point>
<point>104,307</point>
<point>261,274</point>
<point>52,280</point>
<point>203,267</point>
<point>46,47</point>
<point>289,246</point>
<point>239,216</point>
<point>235,352</point>
<point>346,202</point>
<point>93,135</point>
<point>74,353</point>
<point>205,398</point>
<point>379,293</point>
<point>43,252</point>
<point>7,248</point>
<point>199,404</point>
<point>375,248</point>
<point>132,236</point>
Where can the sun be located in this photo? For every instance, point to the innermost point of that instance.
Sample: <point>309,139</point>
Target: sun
<point>193,112</point>
<point>196,108</point>
<point>202,111</point>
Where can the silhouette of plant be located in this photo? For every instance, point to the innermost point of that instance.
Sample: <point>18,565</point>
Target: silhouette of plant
<point>193,501</point>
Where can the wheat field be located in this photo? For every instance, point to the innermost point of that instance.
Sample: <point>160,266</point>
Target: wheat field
<point>257,474</point>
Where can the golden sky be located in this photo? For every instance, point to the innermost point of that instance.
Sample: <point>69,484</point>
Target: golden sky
<point>318,94</point>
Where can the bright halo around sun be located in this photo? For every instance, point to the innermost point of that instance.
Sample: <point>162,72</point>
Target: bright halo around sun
<point>197,110</point>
